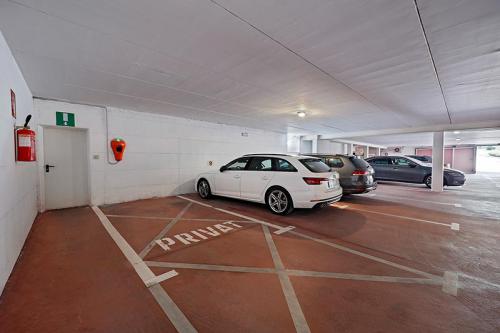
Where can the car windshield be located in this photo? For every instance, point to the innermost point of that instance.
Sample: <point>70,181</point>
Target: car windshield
<point>315,165</point>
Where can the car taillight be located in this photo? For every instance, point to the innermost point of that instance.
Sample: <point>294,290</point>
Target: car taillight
<point>314,180</point>
<point>360,172</point>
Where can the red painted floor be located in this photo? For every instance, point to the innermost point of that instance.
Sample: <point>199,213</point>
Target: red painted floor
<point>376,264</point>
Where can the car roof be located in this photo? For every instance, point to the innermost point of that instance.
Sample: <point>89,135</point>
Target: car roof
<point>269,155</point>
<point>277,155</point>
<point>325,155</point>
<point>405,156</point>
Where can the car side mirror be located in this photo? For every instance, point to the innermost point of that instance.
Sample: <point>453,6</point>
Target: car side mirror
<point>413,165</point>
<point>223,168</point>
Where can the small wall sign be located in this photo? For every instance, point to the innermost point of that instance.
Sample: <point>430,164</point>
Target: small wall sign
<point>13,103</point>
<point>65,119</point>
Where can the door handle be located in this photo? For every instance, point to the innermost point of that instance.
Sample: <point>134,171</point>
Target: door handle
<point>236,176</point>
<point>47,167</point>
<point>265,178</point>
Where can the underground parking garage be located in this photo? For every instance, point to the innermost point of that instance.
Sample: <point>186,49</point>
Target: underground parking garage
<point>233,166</point>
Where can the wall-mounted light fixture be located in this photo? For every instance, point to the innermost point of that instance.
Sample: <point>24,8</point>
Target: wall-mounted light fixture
<point>301,114</point>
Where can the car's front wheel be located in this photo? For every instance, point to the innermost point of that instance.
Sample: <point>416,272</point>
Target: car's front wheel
<point>428,181</point>
<point>204,189</point>
<point>279,201</point>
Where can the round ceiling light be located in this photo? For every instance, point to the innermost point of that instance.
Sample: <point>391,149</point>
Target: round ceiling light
<point>456,132</point>
<point>301,114</point>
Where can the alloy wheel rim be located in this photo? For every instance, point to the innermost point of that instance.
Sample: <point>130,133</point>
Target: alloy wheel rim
<point>278,201</point>
<point>429,180</point>
<point>203,189</point>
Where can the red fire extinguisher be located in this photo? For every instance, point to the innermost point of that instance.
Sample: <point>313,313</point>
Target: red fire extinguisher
<point>25,142</point>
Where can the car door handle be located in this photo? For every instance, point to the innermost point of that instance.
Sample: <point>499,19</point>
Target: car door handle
<point>237,176</point>
<point>47,167</point>
<point>265,178</point>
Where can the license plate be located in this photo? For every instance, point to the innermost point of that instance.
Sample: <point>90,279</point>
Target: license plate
<point>370,179</point>
<point>330,183</point>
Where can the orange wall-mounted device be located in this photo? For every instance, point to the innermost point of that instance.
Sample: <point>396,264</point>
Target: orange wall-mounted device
<point>118,145</point>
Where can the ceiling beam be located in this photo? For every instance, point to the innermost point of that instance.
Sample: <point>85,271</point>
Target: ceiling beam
<point>433,128</point>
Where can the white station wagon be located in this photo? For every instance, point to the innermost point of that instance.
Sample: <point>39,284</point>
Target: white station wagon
<point>282,182</point>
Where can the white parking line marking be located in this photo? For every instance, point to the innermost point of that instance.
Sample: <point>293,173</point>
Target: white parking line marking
<point>343,248</point>
<point>450,283</point>
<point>455,226</point>
<point>483,281</point>
<point>296,272</point>
<point>340,206</point>
<point>283,230</point>
<point>178,319</point>
<point>167,218</point>
<point>368,256</point>
<point>195,201</point>
<point>408,218</point>
<point>160,278</point>
<point>299,320</point>
<point>275,226</point>
<point>399,198</point>
<point>208,267</point>
<point>140,267</point>
<point>140,217</point>
<point>360,277</point>
<point>164,231</point>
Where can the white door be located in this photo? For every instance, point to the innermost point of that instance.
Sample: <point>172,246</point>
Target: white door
<point>255,179</point>
<point>65,168</point>
<point>227,182</point>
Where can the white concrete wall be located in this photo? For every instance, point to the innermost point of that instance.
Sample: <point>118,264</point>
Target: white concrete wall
<point>330,147</point>
<point>18,181</point>
<point>163,155</point>
<point>404,150</point>
<point>293,144</point>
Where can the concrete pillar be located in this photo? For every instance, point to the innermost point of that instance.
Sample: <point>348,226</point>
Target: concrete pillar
<point>437,162</point>
<point>315,145</point>
<point>367,151</point>
<point>378,152</point>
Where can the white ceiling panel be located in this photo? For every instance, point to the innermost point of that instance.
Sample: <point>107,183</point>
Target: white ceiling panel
<point>478,137</point>
<point>354,66</point>
<point>465,40</point>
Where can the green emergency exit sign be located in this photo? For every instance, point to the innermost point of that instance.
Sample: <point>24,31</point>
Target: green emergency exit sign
<point>65,119</point>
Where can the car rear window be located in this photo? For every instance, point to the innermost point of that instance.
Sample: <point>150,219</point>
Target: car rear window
<point>359,163</point>
<point>334,162</point>
<point>315,165</point>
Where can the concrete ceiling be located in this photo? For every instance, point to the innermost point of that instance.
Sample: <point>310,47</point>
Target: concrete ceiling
<point>478,137</point>
<point>354,66</point>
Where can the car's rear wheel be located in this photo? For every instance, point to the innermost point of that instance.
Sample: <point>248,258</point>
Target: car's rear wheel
<point>279,201</point>
<point>204,190</point>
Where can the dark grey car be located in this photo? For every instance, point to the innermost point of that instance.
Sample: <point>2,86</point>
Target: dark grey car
<point>409,170</point>
<point>355,175</point>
